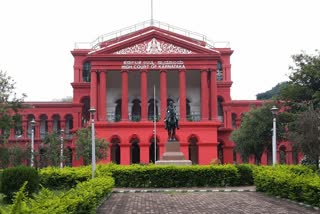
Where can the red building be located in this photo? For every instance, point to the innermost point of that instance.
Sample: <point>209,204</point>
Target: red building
<point>117,74</point>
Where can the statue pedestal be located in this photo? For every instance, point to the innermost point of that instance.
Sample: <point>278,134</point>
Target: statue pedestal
<point>173,155</point>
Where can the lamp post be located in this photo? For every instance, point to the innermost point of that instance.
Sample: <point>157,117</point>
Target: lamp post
<point>61,148</point>
<point>92,110</point>
<point>274,110</point>
<point>32,124</point>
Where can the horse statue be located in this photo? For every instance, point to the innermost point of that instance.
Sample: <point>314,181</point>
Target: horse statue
<point>171,122</point>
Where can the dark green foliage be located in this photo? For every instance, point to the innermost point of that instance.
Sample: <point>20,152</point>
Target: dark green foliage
<point>175,176</point>
<point>4,157</point>
<point>13,178</point>
<point>246,174</point>
<point>273,93</point>
<point>17,155</point>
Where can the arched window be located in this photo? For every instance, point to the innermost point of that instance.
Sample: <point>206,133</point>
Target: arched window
<point>193,149</point>
<point>43,126</point>
<point>69,126</point>
<point>85,110</point>
<point>283,155</point>
<point>86,72</point>
<point>30,118</point>
<point>151,109</point>
<point>220,109</point>
<point>118,111</point>
<point>136,110</point>
<point>18,130</point>
<point>234,120</point>
<point>219,71</point>
<point>188,109</point>
<point>56,125</point>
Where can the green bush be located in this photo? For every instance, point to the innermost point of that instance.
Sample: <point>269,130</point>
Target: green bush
<point>174,176</point>
<point>292,182</point>
<point>13,178</point>
<point>84,198</point>
<point>245,173</point>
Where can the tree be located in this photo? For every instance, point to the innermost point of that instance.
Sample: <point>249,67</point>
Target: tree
<point>50,150</point>
<point>306,134</point>
<point>9,105</point>
<point>301,98</point>
<point>84,147</point>
<point>255,133</point>
<point>303,88</point>
<point>270,94</point>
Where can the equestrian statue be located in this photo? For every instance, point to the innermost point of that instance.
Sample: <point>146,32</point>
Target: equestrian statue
<point>171,121</point>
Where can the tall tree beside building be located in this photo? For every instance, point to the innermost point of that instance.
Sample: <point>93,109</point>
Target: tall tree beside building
<point>10,104</point>
<point>301,98</point>
<point>84,148</point>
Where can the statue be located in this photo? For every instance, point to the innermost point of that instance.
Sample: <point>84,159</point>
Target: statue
<point>171,121</point>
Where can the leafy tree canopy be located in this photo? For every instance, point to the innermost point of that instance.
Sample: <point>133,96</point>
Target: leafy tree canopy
<point>9,105</point>
<point>303,88</point>
<point>274,92</point>
<point>84,147</point>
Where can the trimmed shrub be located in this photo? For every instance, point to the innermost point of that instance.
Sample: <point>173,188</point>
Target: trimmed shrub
<point>13,178</point>
<point>174,176</point>
<point>246,174</point>
<point>84,198</point>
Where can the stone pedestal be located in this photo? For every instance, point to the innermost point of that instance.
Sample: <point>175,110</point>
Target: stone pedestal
<point>173,155</point>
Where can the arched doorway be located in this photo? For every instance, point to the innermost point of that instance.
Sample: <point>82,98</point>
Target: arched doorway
<point>151,150</point>
<point>283,155</point>
<point>115,150</point>
<point>193,149</point>
<point>134,151</point>
<point>220,152</point>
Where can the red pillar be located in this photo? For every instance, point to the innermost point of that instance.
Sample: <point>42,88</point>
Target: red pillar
<point>144,95</point>
<point>214,97</point>
<point>144,153</point>
<point>93,91</point>
<point>163,93</point>
<point>182,79</point>
<point>204,95</point>
<point>103,97</point>
<point>124,99</point>
<point>125,154</point>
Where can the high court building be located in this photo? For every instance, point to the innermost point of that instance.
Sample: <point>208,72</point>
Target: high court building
<point>125,73</point>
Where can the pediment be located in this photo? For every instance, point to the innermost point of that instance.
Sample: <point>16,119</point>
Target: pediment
<point>154,46</point>
<point>153,41</point>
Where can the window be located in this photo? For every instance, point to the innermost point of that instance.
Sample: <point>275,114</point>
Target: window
<point>86,72</point>
<point>219,71</point>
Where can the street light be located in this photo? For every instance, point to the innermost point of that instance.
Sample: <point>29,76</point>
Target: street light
<point>32,124</point>
<point>274,110</point>
<point>61,148</point>
<point>92,110</point>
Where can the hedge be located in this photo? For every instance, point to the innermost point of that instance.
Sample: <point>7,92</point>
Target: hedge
<point>174,176</point>
<point>84,198</point>
<point>292,182</point>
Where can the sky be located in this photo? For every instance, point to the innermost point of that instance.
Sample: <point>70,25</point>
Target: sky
<point>36,37</point>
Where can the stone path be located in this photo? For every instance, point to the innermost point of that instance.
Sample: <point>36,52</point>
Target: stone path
<point>194,201</point>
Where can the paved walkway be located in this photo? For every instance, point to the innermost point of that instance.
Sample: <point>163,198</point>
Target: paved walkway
<point>198,200</point>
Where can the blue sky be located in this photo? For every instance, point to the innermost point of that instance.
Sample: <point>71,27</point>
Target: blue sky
<point>37,36</point>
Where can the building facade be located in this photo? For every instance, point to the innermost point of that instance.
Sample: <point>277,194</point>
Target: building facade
<point>129,77</point>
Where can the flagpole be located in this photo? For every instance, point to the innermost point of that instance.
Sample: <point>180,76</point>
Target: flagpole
<point>154,124</point>
<point>151,12</point>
